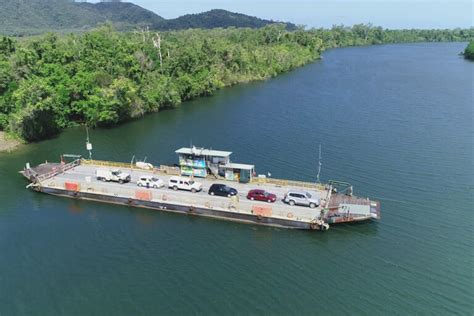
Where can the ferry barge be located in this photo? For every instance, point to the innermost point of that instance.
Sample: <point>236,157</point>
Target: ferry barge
<point>78,179</point>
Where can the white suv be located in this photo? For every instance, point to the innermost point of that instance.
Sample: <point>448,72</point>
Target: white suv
<point>301,198</point>
<point>182,183</point>
<point>150,182</point>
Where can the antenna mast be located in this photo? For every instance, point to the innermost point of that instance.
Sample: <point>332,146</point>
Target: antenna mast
<point>319,165</point>
<point>88,143</point>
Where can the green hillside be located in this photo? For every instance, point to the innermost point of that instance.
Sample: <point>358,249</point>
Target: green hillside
<point>214,18</point>
<point>30,17</point>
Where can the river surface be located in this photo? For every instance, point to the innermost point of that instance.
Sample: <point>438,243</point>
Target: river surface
<point>395,120</point>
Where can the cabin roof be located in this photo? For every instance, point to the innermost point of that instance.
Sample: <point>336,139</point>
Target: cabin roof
<point>203,152</point>
<point>240,166</point>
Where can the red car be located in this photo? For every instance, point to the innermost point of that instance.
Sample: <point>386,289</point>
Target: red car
<point>261,195</point>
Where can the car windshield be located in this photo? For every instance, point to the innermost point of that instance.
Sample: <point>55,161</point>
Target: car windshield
<point>154,179</point>
<point>116,172</point>
<point>266,194</point>
<point>308,195</point>
<point>191,182</point>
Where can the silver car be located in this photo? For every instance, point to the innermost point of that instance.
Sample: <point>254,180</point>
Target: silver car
<point>301,198</point>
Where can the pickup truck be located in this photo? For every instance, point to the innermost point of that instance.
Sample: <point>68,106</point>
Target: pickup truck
<point>115,175</point>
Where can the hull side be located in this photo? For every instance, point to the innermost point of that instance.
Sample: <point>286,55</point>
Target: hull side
<point>183,209</point>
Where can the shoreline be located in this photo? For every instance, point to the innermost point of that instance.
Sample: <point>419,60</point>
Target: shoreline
<point>7,144</point>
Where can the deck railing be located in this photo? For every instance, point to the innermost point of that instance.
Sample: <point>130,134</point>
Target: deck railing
<point>57,170</point>
<point>174,170</point>
<point>292,183</point>
<point>171,170</point>
<point>191,200</point>
<point>108,163</point>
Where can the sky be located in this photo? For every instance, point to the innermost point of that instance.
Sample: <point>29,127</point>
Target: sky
<point>325,13</point>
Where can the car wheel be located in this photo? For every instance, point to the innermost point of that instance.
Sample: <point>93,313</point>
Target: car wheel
<point>212,193</point>
<point>229,195</point>
<point>175,188</point>
<point>312,205</point>
<point>193,190</point>
<point>291,202</point>
<point>270,201</point>
<point>252,198</point>
<point>121,181</point>
<point>155,186</point>
<point>139,184</point>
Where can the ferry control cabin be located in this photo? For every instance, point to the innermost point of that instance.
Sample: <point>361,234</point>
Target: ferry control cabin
<point>201,162</point>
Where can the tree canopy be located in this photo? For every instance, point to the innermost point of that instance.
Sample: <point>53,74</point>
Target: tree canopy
<point>22,18</point>
<point>104,77</point>
<point>468,52</point>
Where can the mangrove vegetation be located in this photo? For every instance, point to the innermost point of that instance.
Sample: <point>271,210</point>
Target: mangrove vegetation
<point>469,51</point>
<point>103,77</point>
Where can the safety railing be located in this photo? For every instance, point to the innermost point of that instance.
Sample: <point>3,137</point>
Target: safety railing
<point>290,183</point>
<point>108,163</point>
<point>171,170</point>
<point>176,171</point>
<point>57,170</point>
<point>191,200</point>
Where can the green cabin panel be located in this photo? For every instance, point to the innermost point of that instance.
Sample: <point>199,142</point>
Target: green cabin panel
<point>244,176</point>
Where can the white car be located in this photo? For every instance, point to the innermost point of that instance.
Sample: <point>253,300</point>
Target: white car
<point>183,183</point>
<point>150,182</point>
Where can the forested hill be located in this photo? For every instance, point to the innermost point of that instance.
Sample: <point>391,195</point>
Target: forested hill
<point>29,17</point>
<point>214,18</point>
<point>24,17</point>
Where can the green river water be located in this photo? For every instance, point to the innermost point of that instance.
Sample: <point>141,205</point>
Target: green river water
<point>395,120</point>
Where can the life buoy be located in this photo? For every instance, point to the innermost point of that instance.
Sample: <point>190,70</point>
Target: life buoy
<point>164,197</point>
<point>289,215</point>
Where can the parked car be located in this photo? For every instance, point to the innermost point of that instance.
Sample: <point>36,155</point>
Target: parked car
<point>183,183</point>
<point>301,198</point>
<point>261,195</point>
<point>222,190</point>
<point>115,175</point>
<point>150,182</point>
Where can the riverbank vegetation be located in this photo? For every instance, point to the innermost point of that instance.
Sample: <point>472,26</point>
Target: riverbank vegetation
<point>469,51</point>
<point>104,77</point>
